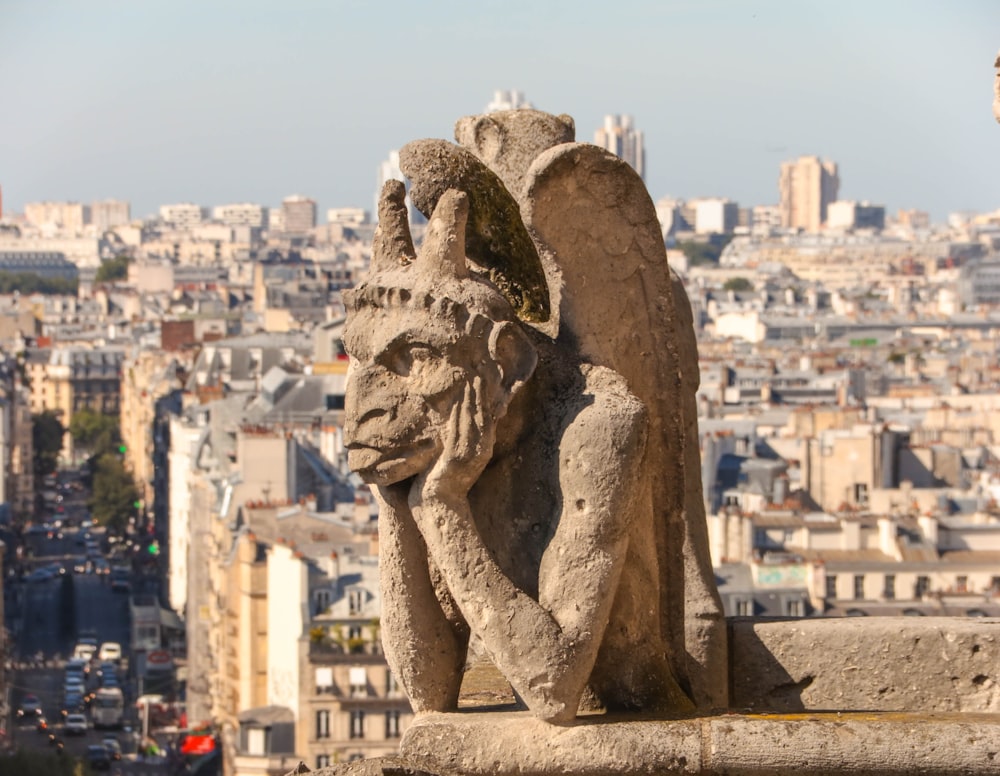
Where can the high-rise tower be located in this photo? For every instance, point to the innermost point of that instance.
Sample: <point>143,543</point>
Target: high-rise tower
<point>620,137</point>
<point>807,186</point>
<point>299,213</point>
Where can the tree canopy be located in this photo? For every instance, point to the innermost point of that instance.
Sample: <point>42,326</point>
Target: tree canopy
<point>113,269</point>
<point>47,439</point>
<point>737,284</point>
<point>114,496</point>
<point>94,432</point>
<point>698,252</point>
<point>30,283</point>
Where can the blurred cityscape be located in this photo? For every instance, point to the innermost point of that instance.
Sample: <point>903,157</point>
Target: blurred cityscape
<point>189,563</point>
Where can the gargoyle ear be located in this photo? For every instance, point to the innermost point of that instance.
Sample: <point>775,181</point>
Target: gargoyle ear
<point>514,354</point>
<point>481,135</point>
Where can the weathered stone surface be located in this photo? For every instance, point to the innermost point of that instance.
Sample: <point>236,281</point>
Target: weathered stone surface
<point>532,481</point>
<point>496,743</point>
<point>495,236</point>
<point>509,141</point>
<point>933,664</point>
<point>732,744</point>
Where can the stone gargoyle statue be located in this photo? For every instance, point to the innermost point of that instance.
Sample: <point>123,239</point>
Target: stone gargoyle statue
<point>521,395</point>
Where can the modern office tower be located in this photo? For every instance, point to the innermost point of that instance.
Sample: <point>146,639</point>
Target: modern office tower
<point>807,187</point>
<point>620,137</point>
<point>299,212</point>
<point>67,217</point>
<point>389,170</point>
<point>847,214</point>
<point>241,214</point>
<point>715,216</point>
<point>507,99</point>
<point>109,213</point>
<point>182,216</point>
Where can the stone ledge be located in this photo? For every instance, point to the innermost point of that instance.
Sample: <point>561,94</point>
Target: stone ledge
<point>934,664</point>
<point>887,744</point>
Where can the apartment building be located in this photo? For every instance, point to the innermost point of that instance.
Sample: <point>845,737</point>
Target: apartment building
<point>619,136</point>
<point>806,187</point>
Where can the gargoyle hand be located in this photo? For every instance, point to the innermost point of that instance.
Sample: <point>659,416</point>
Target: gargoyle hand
<point>467,439</point>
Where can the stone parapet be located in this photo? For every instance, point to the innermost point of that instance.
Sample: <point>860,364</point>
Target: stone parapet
<point>493,743</point>
<point>906,664</point>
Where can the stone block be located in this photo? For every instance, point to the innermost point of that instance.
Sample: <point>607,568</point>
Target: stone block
<point>933,664</point>
<point>891,744</point>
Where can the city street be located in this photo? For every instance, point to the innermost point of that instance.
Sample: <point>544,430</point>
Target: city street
<point>59,591</point>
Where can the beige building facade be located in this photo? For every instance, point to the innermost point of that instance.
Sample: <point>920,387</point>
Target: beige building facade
<point>807,186</point>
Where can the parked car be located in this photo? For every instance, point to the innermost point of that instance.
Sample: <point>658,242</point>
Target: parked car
<point>107,668</point>
<point>72,703</point>
<point>110,650</point>
<point>78,664</point>
<point>76,725</point>
<point>30,706</point>
<point>113,747</point>
<point>97,757</point>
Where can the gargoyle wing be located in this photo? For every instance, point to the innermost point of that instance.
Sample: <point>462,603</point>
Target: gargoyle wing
<point>618,305</point>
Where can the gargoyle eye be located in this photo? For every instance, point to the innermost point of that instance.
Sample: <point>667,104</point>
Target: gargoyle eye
<point>406,357</point>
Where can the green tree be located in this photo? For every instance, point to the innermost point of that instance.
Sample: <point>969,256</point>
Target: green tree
<point>47,438</point>
<point>113,269</point>
<point>96,433</point>
<point>698,252</point>
<point>30,283</point>
<point>737,284</point>
<point>114,496</point>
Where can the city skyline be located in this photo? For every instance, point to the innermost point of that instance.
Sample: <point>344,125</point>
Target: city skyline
<point>160,103</point>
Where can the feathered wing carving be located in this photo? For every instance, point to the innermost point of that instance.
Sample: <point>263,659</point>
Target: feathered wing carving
<point>618,305</point>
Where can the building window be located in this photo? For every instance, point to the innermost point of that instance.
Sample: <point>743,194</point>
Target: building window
<point>859,587</point>
<point>995,585</point>
<point>255,741</point>
<point>831,586</point>
<point>357,724</point>
<point>322,761</point>
<point>392,724</point>
<point>391,684</point>
<point>795,608</point>
<point>744,607</point>
<point>860,493</point>
<point>962,584</point>
<point>889,589</point>
<point>324,680</point>
<point>355,600</point>
<point>359,682</point>
<point>323,723</point>
<point>921,587</point>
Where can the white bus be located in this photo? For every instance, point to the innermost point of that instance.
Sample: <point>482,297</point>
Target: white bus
<point>108,708</point>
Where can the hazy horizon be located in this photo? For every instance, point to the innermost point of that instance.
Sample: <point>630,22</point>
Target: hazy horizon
<point>212,103</point>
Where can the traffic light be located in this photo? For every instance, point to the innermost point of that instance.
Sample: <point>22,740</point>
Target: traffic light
<point>153,548</point>
<point>122,448</point>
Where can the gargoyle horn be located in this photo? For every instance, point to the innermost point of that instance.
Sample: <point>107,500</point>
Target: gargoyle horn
<point>392,244</point>
<point>443,251</point>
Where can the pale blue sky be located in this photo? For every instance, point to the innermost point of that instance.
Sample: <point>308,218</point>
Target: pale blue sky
<point>216,101</point>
